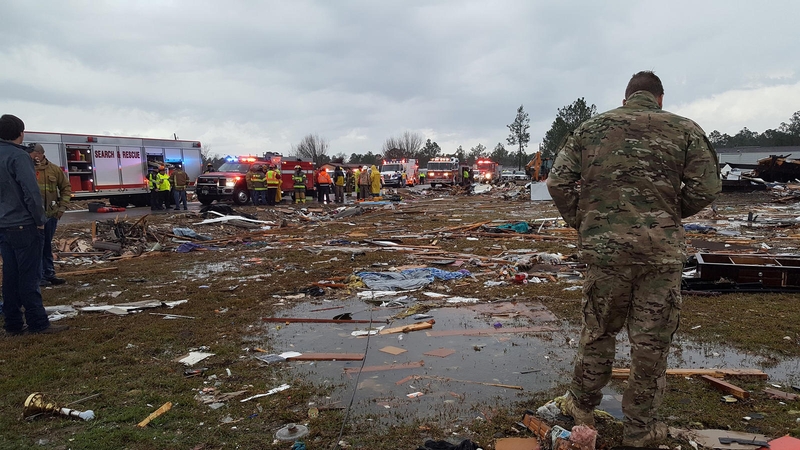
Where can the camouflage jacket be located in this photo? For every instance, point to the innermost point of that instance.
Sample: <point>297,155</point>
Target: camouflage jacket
<point>625,178</point>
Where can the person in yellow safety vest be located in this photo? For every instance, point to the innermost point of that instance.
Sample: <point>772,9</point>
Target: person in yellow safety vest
<point>248,178</point>
<point>356,173</point>
<point>163,186</point>
<point>272,185</point>
<point>465,177</point>
<point>259,185</point>
<point>159,188</point>
<point>338,185</point>
<point>375,181</point>
<point>279,192</point>
<point>299,182</point>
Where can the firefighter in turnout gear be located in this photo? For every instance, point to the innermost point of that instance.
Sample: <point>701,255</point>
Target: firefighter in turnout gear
<point>273,183</point>
<point>179,180</point>
<point>279,192</point>
<point>248,178</point>
<point>56,193</point>
<point>299,182</point>
<point>259,187</point>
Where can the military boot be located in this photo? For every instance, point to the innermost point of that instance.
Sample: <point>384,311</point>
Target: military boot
<point>646,438</point>
<point>581,416</point>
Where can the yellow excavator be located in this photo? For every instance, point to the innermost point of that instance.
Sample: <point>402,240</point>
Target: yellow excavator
<point>534,167</point>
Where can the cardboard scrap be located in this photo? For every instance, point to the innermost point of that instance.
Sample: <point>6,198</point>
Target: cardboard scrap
<point>393,350</point>
<point>516,443</point>
<point>440,352</point>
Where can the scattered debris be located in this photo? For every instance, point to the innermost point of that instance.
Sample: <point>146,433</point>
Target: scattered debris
<point>280,388</point>
<point>164,408</point>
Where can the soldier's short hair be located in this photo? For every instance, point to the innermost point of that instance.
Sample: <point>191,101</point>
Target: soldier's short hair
<point>11,127</point>
<point>645,80</point>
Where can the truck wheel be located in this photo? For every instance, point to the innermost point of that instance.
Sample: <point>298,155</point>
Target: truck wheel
<point>240,197</point>
<point>205,201</point>
<point>120,201</point>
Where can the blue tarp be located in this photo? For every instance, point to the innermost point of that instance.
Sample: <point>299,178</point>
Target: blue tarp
<point>406,280</point>
<point>519,227</point>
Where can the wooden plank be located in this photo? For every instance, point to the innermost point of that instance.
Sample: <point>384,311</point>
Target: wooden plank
<point>327,357</point>
<point>774,393</point>
<point>487,331</point>
<point>87,272</point>
<point>716,373</point>
<point>409,365</point>
<point>726,387</point>
<point>407,328</point>
<point>408,378</point>
<point>311,320</point>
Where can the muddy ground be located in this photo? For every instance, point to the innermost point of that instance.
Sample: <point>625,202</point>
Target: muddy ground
<point>509,349</point>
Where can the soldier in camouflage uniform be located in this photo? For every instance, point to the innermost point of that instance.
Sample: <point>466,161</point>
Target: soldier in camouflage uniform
<point>625,179</point>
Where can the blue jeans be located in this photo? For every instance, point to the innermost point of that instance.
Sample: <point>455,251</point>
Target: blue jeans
<point>254,197</point>
<point>21,249</point>
<point>179,196</point>
<point>48,269</point>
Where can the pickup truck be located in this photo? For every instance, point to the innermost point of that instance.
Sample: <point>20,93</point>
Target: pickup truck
<point>514,175</point>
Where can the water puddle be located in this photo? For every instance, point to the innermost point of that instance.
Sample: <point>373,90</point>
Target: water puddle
<point>454,373</point>
<point>446,373</point>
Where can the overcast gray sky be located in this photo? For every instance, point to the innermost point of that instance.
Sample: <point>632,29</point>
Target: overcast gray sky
<point>253,76</point>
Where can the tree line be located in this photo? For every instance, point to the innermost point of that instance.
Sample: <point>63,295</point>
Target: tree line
<point>414,145</point>
<point>786,134</point>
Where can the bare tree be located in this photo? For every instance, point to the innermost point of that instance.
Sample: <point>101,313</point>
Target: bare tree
<point>406,145</point>
<point>313,147</point>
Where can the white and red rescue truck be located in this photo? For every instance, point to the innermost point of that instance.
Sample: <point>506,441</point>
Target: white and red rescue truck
<point>444,171</point>
<point>392,172</point>
<point>229,183</point>
<point>486,170</point>
<point>115,167</point>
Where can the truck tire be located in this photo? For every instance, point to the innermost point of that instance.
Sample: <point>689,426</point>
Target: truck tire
<point>120,201</point>
<point>241,197</point>
<point>205,201</point>
<point>140,200</point>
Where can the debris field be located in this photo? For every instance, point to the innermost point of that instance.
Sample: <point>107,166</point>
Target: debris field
<point>426,314</point>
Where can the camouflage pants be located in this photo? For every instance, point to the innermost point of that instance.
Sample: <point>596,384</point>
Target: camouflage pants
<point>647,297</point>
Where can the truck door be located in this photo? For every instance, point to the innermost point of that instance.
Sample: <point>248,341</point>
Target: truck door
<point>106,167</point>
<point>131,166</point>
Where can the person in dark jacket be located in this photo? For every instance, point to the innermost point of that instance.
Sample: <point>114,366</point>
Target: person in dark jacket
<point>22,221</point>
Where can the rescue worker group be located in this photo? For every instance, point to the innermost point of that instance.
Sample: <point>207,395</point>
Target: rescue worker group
<point>264,185</point>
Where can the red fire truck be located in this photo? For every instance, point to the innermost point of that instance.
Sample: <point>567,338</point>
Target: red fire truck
<point>443,170</point>
<point>115,167</point>
<point>486,170</point>
<point>228,183</point>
